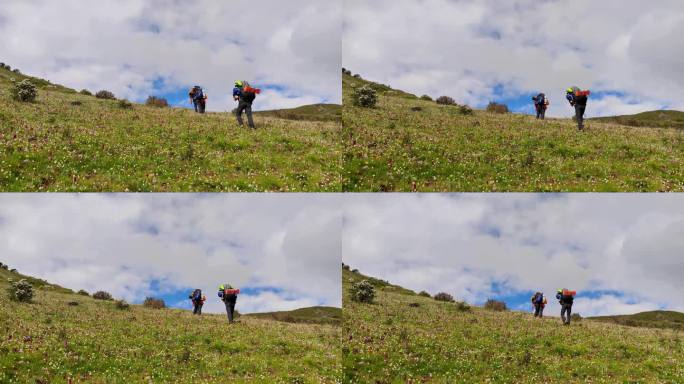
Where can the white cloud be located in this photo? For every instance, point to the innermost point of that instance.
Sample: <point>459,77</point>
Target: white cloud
<point>121,243</point>
<point>124,46</point>
<point>463,244</point>
<point>466,48</point>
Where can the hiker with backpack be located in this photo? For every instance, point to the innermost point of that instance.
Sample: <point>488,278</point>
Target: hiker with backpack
<point>228,295</point>
<point>565,299</point>
<point>541,103</point>
<point>538,302</point>
<point>578,99</point>
<point>244,95</point>
<point>198,98</point>
<point>197,301</point>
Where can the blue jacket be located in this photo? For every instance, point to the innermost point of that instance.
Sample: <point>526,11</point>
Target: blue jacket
<point>237,92</point>
<point>198,95</point>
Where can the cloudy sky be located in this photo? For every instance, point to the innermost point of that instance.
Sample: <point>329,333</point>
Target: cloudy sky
<point>135,48</point>
<point>282,251</point>
<point>622,253</point>
<point>630,53</point>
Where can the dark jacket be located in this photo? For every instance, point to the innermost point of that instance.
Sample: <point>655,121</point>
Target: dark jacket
<point>576,100</point>
<point>565,299</point>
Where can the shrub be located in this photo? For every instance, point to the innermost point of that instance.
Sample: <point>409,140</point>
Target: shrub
<point>416,109</point>
<point>576,317</point>
<point>355,270</point>
<point>3,65</point>
<point>82,292</point>
<point>365,96</point>
<point>125,104</point>
<point>497,108</point>
<point>414,305</point>
<point>77,103</point>
<point>8,67</point>
<point>465,110</point>
<point>426,97</point>
<point>151,302</point>
<point>21,291</point>
<point>462,306</point>
<point>363,292</point>
<point>16,70</point>
<point>86,92</point>
<point>13,270</point>
<point>3,266</point>
<point>495,305</point>
<point>443,296</point>
<point>102,295</point>
<point>157,102</point>
<point>445,100</point>
<point>346,267</point>
<point>424,294</point>
<point>24,91</point>
<point>73,304</point>
<point>347,72</point>
<point>105,95</point>
<point>122,305</point>
<point>357,76</point>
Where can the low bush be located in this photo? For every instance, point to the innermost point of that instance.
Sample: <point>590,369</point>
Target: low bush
<point>365,96</point>
<point>426,97</point>
<point>3,266</point>
<point>497,108</point>
<point>122,305</point>
<point>21,291</point>
<point>462,306</point>
<point>102,295</point>
<point>24,91</point>
<point>362,291</point>
<point>445,100</point>
<point>86,92</point>
<point>151,302</point>
<point>465,110</point>
<point>443,296</point>
<point>416,109</point>
<point>105,95</point>
<point>73,303</point>
<point>414,305</point>
<point>159,102</point>
<point>83,292</point>
<point>576,317</point>
<point>125,104</point>
<point>424,294</point>
<point>495,305</point>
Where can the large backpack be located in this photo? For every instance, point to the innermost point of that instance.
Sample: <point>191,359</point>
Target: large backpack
<point>541,98</point>
<point>197,295</point>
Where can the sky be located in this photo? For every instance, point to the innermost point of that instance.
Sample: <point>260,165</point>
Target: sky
<point>282,251</point>
<point>629,53</point>
<point>622,253</point>
<point>163,47</point>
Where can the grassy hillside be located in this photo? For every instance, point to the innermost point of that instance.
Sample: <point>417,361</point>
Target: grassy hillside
<point>54,341</point>
<point>651,319</point>
<point>315,112</point>
<point>412,339</point>
<point>664,119</point>
<point>66,141</point>
<point>311,315</point>
<point>395,148</point>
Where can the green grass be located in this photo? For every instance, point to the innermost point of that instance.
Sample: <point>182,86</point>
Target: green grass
<point>663,119</point>
<point>391,342</point>
<point>651,319</point>
<point>56,145</point>
<point>50,341</point>
<point>393,148</point>
<point>311,315</point>
<point>315,112</point>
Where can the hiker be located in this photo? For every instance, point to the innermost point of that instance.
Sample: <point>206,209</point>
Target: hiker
<point>541,103</point>
<point>565,299</point>
<point>244,95</point>
<point>578,99</point>
<point>197,301</point>
<point>198,98</point>
<point>228,295</point>
<point>539,302</point>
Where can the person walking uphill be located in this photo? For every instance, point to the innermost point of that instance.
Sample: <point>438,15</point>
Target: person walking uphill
<point>565,299</point>
<point>244,95</point>
<point>538,302</point>
<point>541,103</point>
<point>229,297</point>
<point>197,301</point>
<point>578,99</point>
<point>198,98</point>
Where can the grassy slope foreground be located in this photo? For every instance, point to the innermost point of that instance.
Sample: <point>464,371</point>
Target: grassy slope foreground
<point>391,147</point>
<point>392,342</point>
<point>50,341</point>
<point>66,141</point>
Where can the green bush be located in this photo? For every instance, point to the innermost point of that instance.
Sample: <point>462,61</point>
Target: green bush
<point>345,267</point>
<point>122,305</point>
<point>102,295</point>
<point>21,291</point>
<point>497,108</point>
<point>462,306</point>
<point>125,104</point>
<point>3,266</point>
<point>576,317</point>
<point>443,296</point>
<point>85,92</point>
<point>151,302</point>
<point>495,305</point>
<point>105,95</point>
<point>445,100</point>
<point>426,97</point>
<point>83,293</point>
<point>362,291</point>
<point>465,110</point>
<point>365,96</point>
<point>24,91</point>
<point>157,102</point>
<point>424,294</point>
